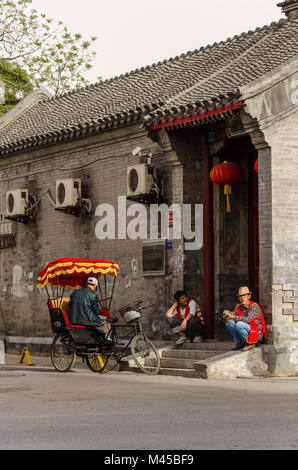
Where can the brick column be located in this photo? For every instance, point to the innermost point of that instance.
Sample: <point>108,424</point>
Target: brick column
<point>271,118</point>
<point>175,256</point>
<point>265,224</point>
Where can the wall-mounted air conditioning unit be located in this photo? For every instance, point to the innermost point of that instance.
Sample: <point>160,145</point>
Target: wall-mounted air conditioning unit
<point>7,227</point>
<point>68,192</point>
<point>141,178</point>
<point>17,202</point>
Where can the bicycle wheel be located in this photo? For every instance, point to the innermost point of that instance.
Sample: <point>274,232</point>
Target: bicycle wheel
<point>98,362</point>
<point>145,355</point>
<point>63,352</point>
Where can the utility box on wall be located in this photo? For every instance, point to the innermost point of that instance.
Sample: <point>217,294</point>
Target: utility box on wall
<point>7,232</point>
<point>7,227</point>
<point>153,258</point>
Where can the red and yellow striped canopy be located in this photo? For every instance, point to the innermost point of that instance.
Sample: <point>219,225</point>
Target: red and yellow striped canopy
<point>74,272</point>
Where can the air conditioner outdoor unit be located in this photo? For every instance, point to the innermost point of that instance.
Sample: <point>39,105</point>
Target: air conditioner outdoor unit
<point>16,202</point>
<point>141,178</point>
<point>68,192</point>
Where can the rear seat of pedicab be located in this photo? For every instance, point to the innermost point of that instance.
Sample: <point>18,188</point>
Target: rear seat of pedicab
<point>66,312</point>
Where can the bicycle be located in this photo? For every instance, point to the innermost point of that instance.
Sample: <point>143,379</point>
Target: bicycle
<point>143,352</point>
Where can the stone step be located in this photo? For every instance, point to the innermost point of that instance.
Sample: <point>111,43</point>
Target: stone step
<point>175,363</point>
<point>206,345</point>
<point>190,373</point>
<point>197,354</point>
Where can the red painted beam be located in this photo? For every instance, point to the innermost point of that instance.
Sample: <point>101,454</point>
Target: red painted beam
<point>197,117</point>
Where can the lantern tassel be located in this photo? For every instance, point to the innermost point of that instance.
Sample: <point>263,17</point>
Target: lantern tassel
<point>227,192</point>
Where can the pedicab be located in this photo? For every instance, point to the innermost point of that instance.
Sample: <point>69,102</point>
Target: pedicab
<point>102,353</point>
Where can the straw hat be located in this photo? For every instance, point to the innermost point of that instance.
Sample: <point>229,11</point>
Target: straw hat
<point>243,291</point>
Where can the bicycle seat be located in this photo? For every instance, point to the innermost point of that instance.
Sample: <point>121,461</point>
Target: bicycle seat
<point>112,320</point>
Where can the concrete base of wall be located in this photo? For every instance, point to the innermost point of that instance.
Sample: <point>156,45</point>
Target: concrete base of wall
<point>283,360</point>
<point>282,355</point>
<point>16,344</point>
<point>2,352</point>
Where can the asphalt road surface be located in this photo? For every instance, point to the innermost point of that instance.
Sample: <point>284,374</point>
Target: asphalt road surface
<point>41,409</point>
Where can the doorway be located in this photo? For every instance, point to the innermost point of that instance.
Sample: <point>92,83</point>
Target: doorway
<point>236,233</point>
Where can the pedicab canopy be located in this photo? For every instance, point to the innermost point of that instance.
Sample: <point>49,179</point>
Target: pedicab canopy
<point>73,272</point>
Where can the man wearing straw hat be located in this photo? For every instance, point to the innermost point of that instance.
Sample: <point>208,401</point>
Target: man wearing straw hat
<point>84,307</point>
<point>246,323</point>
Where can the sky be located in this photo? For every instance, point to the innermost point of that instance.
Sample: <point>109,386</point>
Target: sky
<point>135,33</point>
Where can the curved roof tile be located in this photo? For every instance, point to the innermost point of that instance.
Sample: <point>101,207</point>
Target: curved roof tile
<point>204,77</point>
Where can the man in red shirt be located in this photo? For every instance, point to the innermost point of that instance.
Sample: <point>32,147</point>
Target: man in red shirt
<point>186,319</point>
<point>246,323</point>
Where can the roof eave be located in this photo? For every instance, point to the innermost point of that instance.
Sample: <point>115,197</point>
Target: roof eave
<point>201,118</point>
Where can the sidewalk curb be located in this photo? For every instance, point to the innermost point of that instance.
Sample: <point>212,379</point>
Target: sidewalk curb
<point>16,344</point>
<point>39,345</point>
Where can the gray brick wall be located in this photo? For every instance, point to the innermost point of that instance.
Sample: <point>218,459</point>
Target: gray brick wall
<point>274,132</point>
<point>284,144</point>
<point>101,163</point>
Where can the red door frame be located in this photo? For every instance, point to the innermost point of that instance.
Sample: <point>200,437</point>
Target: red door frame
<point>208,238</point>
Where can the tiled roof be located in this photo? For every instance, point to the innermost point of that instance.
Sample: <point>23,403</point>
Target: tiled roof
<point>200,80</point>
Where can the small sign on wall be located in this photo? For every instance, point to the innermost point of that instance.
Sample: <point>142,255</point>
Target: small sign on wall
<point>170,219</point>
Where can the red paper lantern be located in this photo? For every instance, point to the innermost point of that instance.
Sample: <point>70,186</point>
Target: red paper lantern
<point>256,166</point>
<point>226,174</point>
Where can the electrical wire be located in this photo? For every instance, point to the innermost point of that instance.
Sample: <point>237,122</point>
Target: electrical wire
<point>59,169</point>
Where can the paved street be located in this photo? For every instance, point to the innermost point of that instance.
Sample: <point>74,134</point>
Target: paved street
<point>43,409</point>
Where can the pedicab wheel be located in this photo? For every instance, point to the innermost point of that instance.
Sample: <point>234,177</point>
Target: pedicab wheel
<point>145,355</point>
<point>63,352</point>
<point>98,362</point>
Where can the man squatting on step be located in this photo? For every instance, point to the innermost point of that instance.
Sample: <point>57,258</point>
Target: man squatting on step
<point>186,319</point>
<point>246,323</point>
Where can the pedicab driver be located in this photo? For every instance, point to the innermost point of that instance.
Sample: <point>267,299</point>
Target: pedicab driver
<point>84,307</point>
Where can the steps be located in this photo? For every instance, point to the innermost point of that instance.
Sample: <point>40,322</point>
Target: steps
<point>180,360</point>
